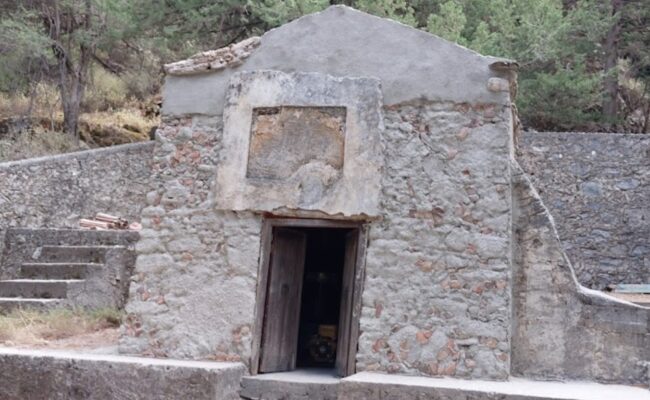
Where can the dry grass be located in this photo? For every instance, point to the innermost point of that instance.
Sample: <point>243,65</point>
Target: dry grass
<point>33,328</point>
<point>32,127</point>
<point>100,129</point>
<point>45,102</point>
<point>97,129</point>
<point>36,143</point>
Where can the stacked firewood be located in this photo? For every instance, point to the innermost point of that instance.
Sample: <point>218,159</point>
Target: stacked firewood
<point>106,221</point>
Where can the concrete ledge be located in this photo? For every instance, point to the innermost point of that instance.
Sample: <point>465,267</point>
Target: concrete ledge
<point>368,385</point>
<point>56,375</point>
<point>79,155</point>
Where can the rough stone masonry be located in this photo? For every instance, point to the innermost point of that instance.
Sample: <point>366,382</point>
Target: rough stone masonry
<point>429,172</point>
<point>464,275</point>
<point>597,187</point>
<point>425,160</point>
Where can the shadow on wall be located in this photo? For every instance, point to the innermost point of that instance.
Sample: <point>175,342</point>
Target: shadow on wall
<point>561,329</point>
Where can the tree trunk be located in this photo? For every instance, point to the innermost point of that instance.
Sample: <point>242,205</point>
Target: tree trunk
<point>610,101</point>
<point>72,79</point>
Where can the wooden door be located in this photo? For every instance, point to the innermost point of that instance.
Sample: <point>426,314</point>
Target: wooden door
<point>282,311</point>
<point>343,347</point>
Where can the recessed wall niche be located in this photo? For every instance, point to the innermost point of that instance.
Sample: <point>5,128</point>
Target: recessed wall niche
<point>283,139</point>
<point>296,142</point>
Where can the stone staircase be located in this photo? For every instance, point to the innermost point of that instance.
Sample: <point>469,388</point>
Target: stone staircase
<point>51,268</point>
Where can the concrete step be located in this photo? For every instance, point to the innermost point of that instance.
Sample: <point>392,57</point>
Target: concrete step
<point>70,237</point>
<point>59,375</point>
<point>74,254</point>
<point>8,304</point>
<point>313,384</point>
<point>57,270</point>
<point>36,288</point>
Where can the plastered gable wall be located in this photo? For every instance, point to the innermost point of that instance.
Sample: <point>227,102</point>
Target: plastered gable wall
<point>436,297</point>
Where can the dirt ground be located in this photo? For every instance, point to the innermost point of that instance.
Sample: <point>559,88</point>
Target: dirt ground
<point>60,329</point>
<point>105,338</point>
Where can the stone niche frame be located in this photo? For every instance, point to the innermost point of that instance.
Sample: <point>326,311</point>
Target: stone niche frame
<point>351,191</point>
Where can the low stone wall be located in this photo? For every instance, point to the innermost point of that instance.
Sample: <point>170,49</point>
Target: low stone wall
<point>596,186</point>
<point>39,375</point>
<point>561,329</point>
<point>56,191</point>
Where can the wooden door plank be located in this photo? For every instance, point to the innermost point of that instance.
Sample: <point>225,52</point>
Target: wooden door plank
<point>359,278</point>
<point>282,311</point>
<point>260,303</point>
<point>347,293</point>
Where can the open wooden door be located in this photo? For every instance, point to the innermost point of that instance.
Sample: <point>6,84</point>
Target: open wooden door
<point>282,310</point>
<point>344,363</point>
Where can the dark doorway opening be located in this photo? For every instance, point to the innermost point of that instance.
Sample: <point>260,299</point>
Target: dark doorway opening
<point>321,297</point>
<point>310,289</point>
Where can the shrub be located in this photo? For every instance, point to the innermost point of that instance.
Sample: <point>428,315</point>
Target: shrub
<point>105,91</point>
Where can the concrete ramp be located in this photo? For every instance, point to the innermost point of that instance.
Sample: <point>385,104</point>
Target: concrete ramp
<point>56,375</point>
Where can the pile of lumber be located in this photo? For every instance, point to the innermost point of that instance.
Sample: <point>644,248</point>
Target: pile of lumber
<point>106,221</point>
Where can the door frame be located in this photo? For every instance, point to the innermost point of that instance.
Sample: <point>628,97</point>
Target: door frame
<point>263,273</point>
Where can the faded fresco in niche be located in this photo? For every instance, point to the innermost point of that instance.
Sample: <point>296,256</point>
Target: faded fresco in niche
<point>283,139</point>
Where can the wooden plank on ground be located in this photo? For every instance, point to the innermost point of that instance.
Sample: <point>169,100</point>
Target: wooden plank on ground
<point>632,288</point>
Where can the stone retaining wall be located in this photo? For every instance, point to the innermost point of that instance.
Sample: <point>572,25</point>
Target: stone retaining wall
<point>56,191</point>
<point>597,187</point>
<point>561,329</point>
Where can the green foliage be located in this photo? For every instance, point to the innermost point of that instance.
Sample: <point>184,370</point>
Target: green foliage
<point>399,10</point>
<point>179,28</point>
<point>558,44</point>
<point>277,12</point>
<point>553,46</point>
<point>107,91</point>
<point>564,99</point>
<point>23,48</point>
<point>449,22</point>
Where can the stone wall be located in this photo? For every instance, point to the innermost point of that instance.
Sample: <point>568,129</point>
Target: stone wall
<point>597,187</point>
<point>436,298</point>
<point>56,191</point>
<point>193,294</point>
<point>561,329</point>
